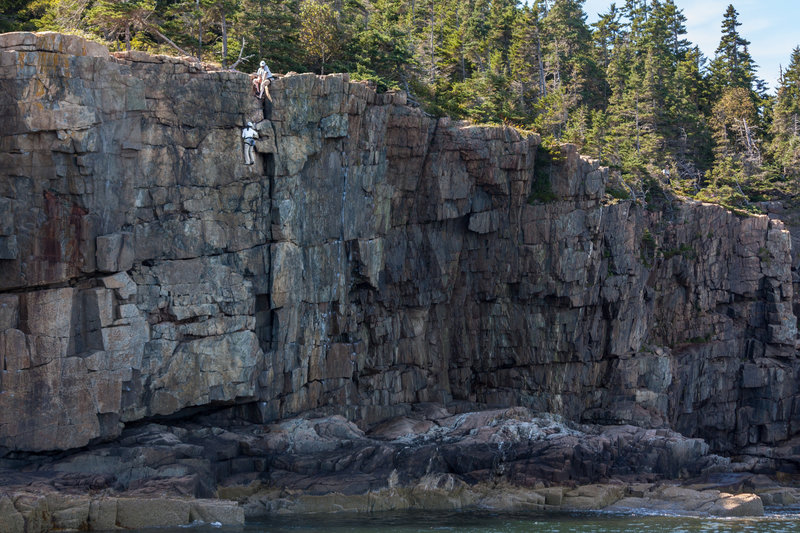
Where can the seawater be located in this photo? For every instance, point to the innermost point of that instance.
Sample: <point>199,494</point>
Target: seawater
<point>492,522</point>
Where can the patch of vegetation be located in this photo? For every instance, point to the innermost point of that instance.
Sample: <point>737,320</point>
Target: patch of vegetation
<point>541,192</point>
<point>683,250</point>
<point>648,240</point>
<point>618,192</point>
<point>648,251</point>
<point>728,197</point>
<point>765,256</point>
<point>656,195</point>
<point>546,159</point>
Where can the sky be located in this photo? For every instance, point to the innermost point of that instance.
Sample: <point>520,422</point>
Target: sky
<point>771,26</point>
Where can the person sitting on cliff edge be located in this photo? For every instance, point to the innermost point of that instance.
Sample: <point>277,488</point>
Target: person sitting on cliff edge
<point>249,134</point>
<point>262,80</point>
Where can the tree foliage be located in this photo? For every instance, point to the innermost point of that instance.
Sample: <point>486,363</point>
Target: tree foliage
<point>318,29</point>
<point>120,19</point>
<point>785,127</point>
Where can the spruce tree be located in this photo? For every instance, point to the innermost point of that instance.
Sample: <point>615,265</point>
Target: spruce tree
<point>736,120</point>
<point>676,26</point>
<point>271,30</point>
<point>501,22</point>
<point>318,36</point>
<point>118,19</point>
<point>383,48</point>
<point>476,34</point>
<point>785,147</point>
<point>14,15</point>
<point>608,37</point>
<point>569,68</point>
<point>732,66</point>
<point>690,139</point>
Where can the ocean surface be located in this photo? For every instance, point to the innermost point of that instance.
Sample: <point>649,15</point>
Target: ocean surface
<point>491,522</point>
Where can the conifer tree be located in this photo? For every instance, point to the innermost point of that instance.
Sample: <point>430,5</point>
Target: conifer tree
<point>735,121</point>
<point>636,12</point>
<point>222,13</point>
<point>634,74</point>
<point>570,71</point>
<point>501,22</point>
<point>736,149</point>
<point>383,48</point>
<point>732,66</point>
<point>48,15</point>
<point>13,15</point>
<point>567,50</point>
<point>526,63</point>
<point>689,140</point>
<point>785,147</point>
<point>676,26</point>
<point>452,48</point>
<point>120,19</point>
<point>673,82</point>
<point>608,39</point>
<point>430,40</point>
<point>271,28</point>
<point>318,32</point>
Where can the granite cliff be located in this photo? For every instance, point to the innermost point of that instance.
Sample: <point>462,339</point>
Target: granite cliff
<point>374,259</point>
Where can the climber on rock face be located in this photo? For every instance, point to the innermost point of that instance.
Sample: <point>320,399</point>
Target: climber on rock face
<point>262,79</point>
<point>249,134</point>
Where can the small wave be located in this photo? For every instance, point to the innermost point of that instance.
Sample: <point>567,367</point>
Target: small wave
<point>200,523</point>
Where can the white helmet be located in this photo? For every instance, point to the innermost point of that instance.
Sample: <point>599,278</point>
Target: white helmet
<point>263,63</point>
<point>250,125</point>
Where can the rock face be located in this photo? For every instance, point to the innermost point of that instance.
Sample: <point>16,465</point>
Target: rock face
<point>372,258</point>
<point>104,160</point>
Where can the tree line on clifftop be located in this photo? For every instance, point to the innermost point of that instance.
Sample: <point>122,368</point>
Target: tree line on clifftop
<point>629,89</point>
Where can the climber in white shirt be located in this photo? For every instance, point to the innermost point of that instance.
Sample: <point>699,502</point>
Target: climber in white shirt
<point>249,134</point>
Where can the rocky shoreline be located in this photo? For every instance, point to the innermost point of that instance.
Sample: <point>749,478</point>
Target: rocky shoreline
<point>443,493</point>
<point>34,510</point>
<point>216,469</point>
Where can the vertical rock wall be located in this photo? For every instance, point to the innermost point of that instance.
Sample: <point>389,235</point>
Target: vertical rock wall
<point>373,257</point>
<point>129,225</point>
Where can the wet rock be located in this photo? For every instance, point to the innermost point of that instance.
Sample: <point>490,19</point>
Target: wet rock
<point>737,505</point>
<point>215,511</point>
<point>681,500</point>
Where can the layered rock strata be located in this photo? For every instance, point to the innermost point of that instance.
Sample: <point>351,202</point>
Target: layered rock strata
<point>374,257</point>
